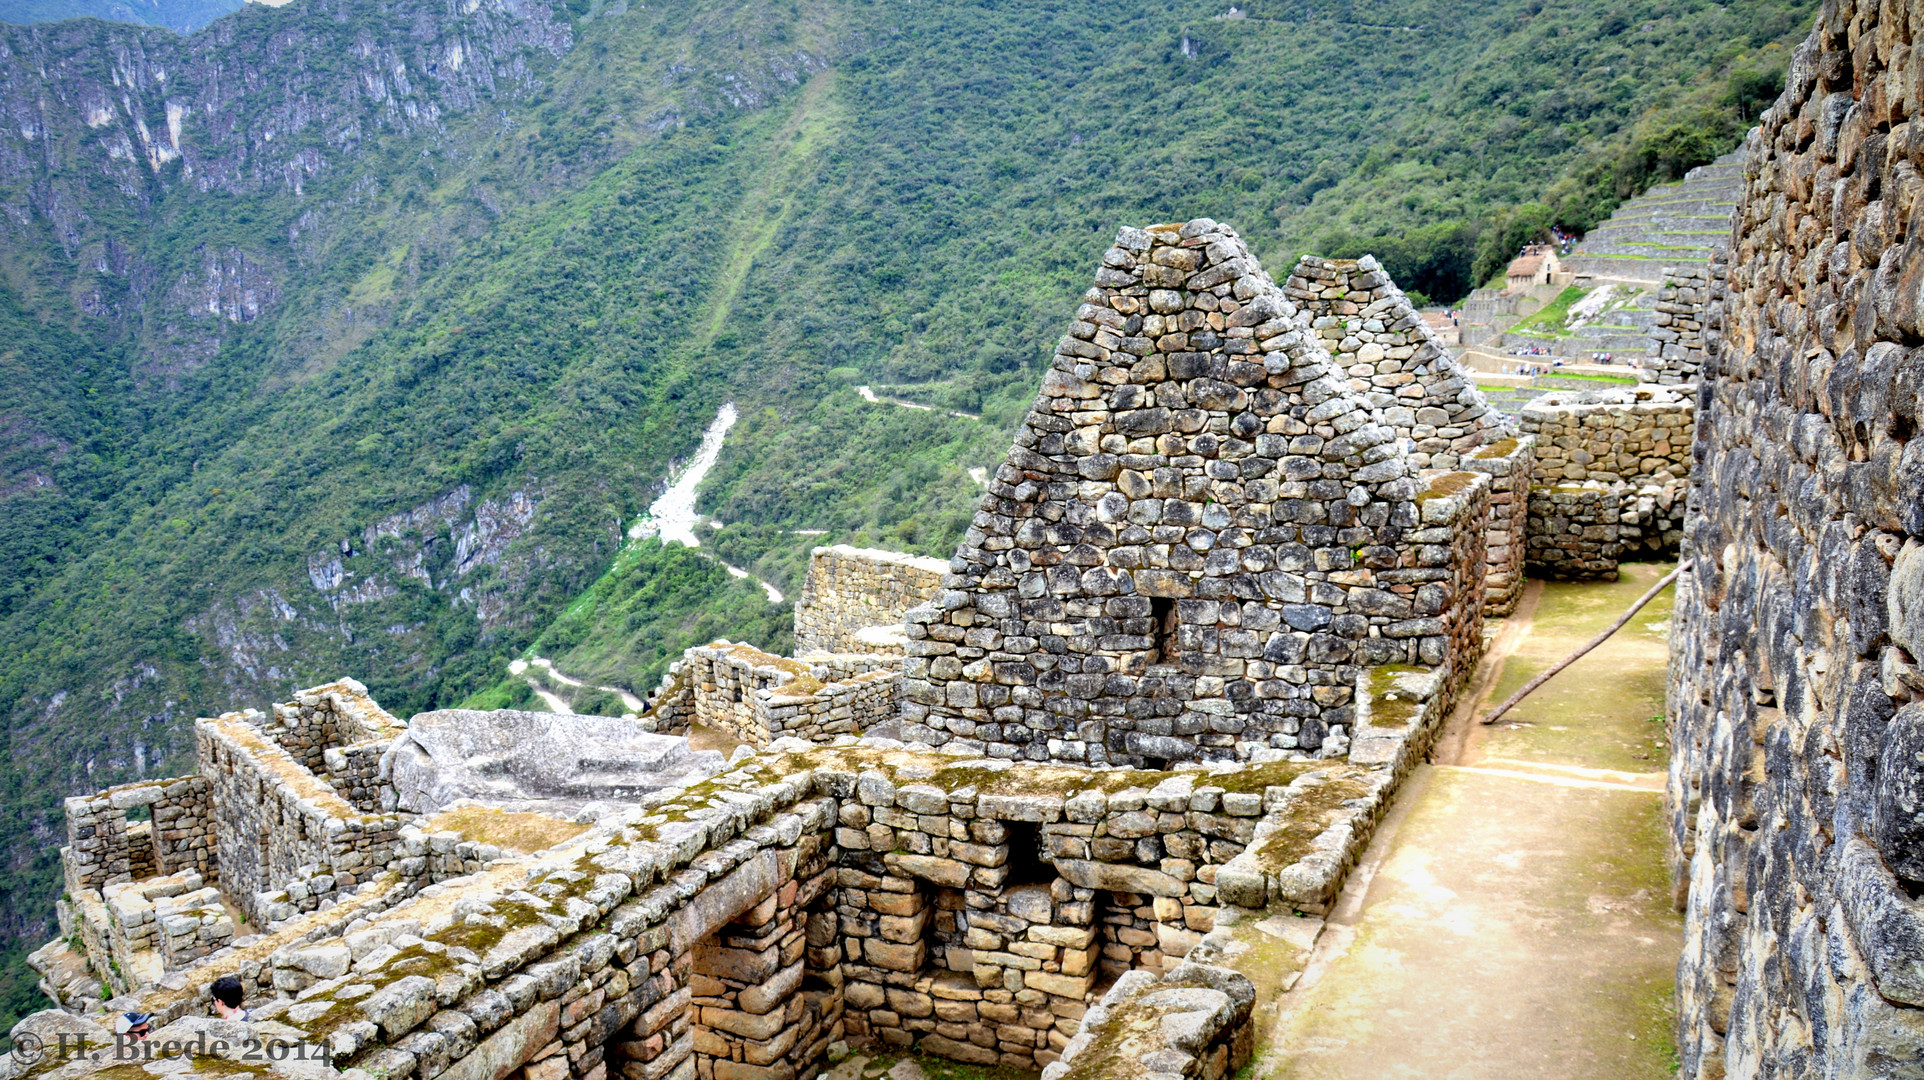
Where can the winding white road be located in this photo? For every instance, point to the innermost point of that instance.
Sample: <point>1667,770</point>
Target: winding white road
<point>869,395</point>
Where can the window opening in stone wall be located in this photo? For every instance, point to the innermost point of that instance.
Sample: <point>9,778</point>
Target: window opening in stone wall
<point>1026,865</point>
<point>1162,630</point>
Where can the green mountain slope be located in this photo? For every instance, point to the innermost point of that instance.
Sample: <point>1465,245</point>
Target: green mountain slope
<point>346,338</point>
<point>180,16</point>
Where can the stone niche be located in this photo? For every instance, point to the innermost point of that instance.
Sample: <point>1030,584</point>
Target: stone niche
<point>1201,535</point>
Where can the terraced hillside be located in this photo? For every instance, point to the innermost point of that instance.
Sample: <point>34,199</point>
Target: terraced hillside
<point>1668,225</point>
<point>1611,308</point>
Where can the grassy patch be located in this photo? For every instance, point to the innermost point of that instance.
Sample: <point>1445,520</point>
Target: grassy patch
<point>1552,318</point>
<point>524,833</point>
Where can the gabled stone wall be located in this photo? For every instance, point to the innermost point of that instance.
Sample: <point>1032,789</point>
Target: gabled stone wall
<point>1162,568</point>
<point>1393,360</point>
<point>1796,700</point>
<point>853,598</point>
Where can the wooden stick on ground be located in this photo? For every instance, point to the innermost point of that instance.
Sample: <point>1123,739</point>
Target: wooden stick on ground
<point>1591,644</point>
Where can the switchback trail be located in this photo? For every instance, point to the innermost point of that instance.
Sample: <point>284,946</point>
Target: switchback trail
<point>1512,917</point>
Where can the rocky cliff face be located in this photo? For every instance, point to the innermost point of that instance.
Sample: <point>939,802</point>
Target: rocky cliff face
<point>105,129</point>
<point>269,98</point>
<point>1796,700</point>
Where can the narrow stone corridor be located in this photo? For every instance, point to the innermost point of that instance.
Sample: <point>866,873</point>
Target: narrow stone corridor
<point>1512,918</point>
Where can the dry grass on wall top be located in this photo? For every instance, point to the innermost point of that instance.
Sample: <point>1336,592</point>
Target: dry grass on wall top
<point>518,832</point>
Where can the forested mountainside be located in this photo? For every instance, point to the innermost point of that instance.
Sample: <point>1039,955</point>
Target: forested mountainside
<point>349,337</point>
<point>180,16</point>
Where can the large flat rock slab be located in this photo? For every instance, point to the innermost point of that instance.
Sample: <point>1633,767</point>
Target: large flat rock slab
<point>507,755</point>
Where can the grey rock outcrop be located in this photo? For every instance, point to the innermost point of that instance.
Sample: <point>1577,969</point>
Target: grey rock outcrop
<point>507,755</point>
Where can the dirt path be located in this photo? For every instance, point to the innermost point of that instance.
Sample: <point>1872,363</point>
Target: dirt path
<point>1512,917</point>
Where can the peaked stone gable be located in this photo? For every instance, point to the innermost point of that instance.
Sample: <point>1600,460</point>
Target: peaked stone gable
<point>1200,534</point>
<point>1392,358</point>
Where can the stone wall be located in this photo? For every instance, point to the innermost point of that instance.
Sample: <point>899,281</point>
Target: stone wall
<point>336,714</point>
<point>962,906</point>
<point>1636,434</point>
<point>1574,531</point>
<point>278,822</point>
<point>1393,360</point>
<point>1796,704</point>
<point>850,590</point>
<point>1163,567</point>
<point>733,930</point>
<point>757,697</point>
<point>337,731</point>
<point>1683,314</point>
<point>103,847</point>
<point>1610,476</point>
<point>1510,464</point>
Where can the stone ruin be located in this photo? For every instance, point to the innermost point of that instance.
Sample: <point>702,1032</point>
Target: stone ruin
<point>1205,532</point>
<point>1034,807</point>
<point>1001,809</point>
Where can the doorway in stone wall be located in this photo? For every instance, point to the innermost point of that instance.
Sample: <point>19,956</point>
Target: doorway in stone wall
<point>756,1012</point>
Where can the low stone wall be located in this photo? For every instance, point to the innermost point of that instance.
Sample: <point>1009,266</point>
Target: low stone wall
<point>1611,470</point>
<point>1573,531</point>
<point>1510,464</point>
<point>817,712</point>
<point>1581,531</point>
<point>851,589</point>
<point>192,925</point>
<point>103,847</point>
<point>277,818</point>
<point>758,697</point>
<point>1632,434</point>
<point>335,714</point>
<point>135,931</point>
